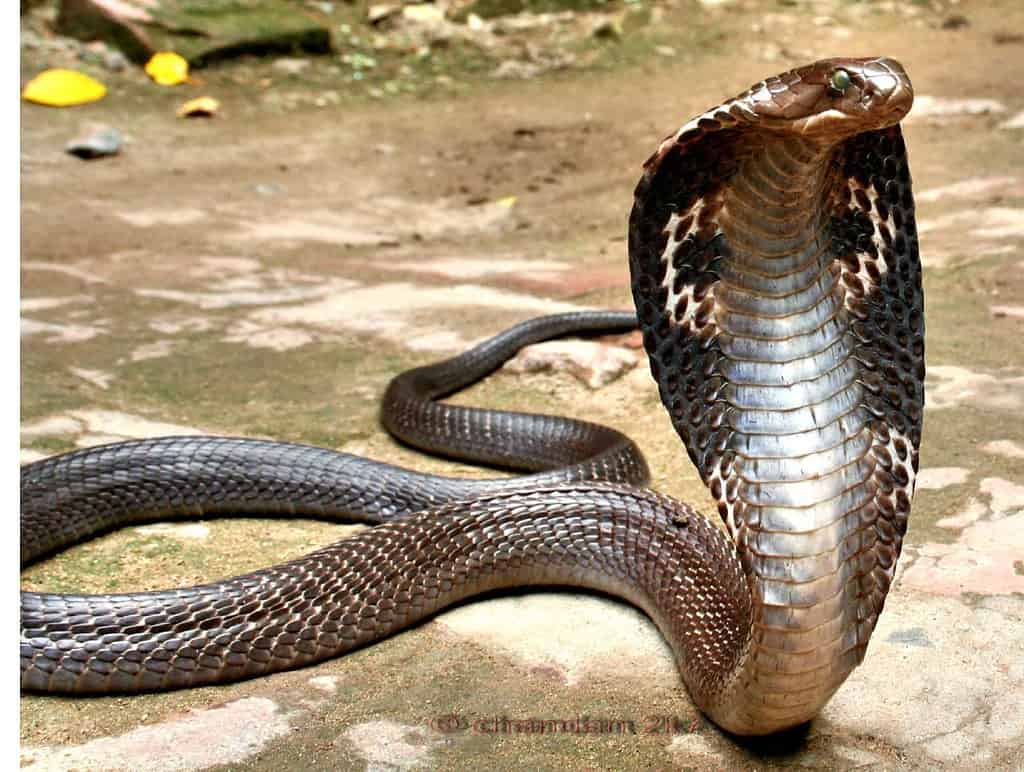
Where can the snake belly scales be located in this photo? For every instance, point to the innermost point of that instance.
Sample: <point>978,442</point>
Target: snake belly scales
<point>777,284</point>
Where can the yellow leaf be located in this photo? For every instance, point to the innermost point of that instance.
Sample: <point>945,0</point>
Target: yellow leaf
<point>202,107</point>
<point>63,88</point>
<point>167,68</point>
<point>508,201</point>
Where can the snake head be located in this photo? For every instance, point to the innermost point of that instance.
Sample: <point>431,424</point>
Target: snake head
<point>833,98</point>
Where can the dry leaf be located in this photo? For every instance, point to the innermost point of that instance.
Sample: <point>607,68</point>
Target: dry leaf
<point>63,88</point>
<point>201,107</point>
<point>167,68</point>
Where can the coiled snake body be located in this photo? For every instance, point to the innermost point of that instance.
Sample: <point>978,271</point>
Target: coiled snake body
<point>777,283</point>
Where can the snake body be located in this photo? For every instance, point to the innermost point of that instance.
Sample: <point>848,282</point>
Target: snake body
<point>776,278</point>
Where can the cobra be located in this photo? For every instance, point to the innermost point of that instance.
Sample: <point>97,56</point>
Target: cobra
<point>777,283</point>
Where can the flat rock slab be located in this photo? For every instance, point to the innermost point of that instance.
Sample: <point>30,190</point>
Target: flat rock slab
<point>201,32</point>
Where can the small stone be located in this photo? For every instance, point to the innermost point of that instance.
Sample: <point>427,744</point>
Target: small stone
<point>290,66</point>
<point>268,189</point>
<point>511,68</point>
<point>596,364</point>
<point>1003,312</point>
<point>115,61</point>
<point>423,14</point>
<point>955,21</point>
<point>666,51</point>
<point>911,636</point>
<point>99,142</point>
<point>375,14</point>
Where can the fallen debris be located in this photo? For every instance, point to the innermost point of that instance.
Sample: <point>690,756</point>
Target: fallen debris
<point>201,107</point>
<point>167,68</point>
<point>63,88</point>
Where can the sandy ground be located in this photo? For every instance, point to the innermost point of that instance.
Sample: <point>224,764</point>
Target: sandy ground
<point>265,273</point>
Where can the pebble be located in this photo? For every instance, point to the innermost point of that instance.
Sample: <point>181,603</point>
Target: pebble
<point>291,66</point>
<point>115,61</point>
<point>97,143</point>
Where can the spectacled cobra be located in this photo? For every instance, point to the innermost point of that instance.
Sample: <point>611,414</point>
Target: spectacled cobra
<point>776,279</point>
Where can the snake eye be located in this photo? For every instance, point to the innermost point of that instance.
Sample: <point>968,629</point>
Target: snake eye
<point>840,80</point>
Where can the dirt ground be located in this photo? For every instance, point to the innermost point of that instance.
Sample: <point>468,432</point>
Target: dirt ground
<point>266,272</point>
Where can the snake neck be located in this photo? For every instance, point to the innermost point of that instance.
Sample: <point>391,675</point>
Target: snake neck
<point>779,431</point>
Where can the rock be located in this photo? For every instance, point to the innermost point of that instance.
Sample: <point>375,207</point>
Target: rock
<point>99,142</point>
<point>115,61</point>
<point>380,12</point>
<point>100,53</point>
<point>510,68</point>
<point>955,21</point>
<point>202,33</point>
<point>268,189</point>
<point>1003,312</point>
<point>596,364</point>
<point>423,14</point>
<point>290,66</point>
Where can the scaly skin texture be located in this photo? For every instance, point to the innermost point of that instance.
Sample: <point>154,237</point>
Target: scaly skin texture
<point>777,283</point>
<point>777,280</point>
